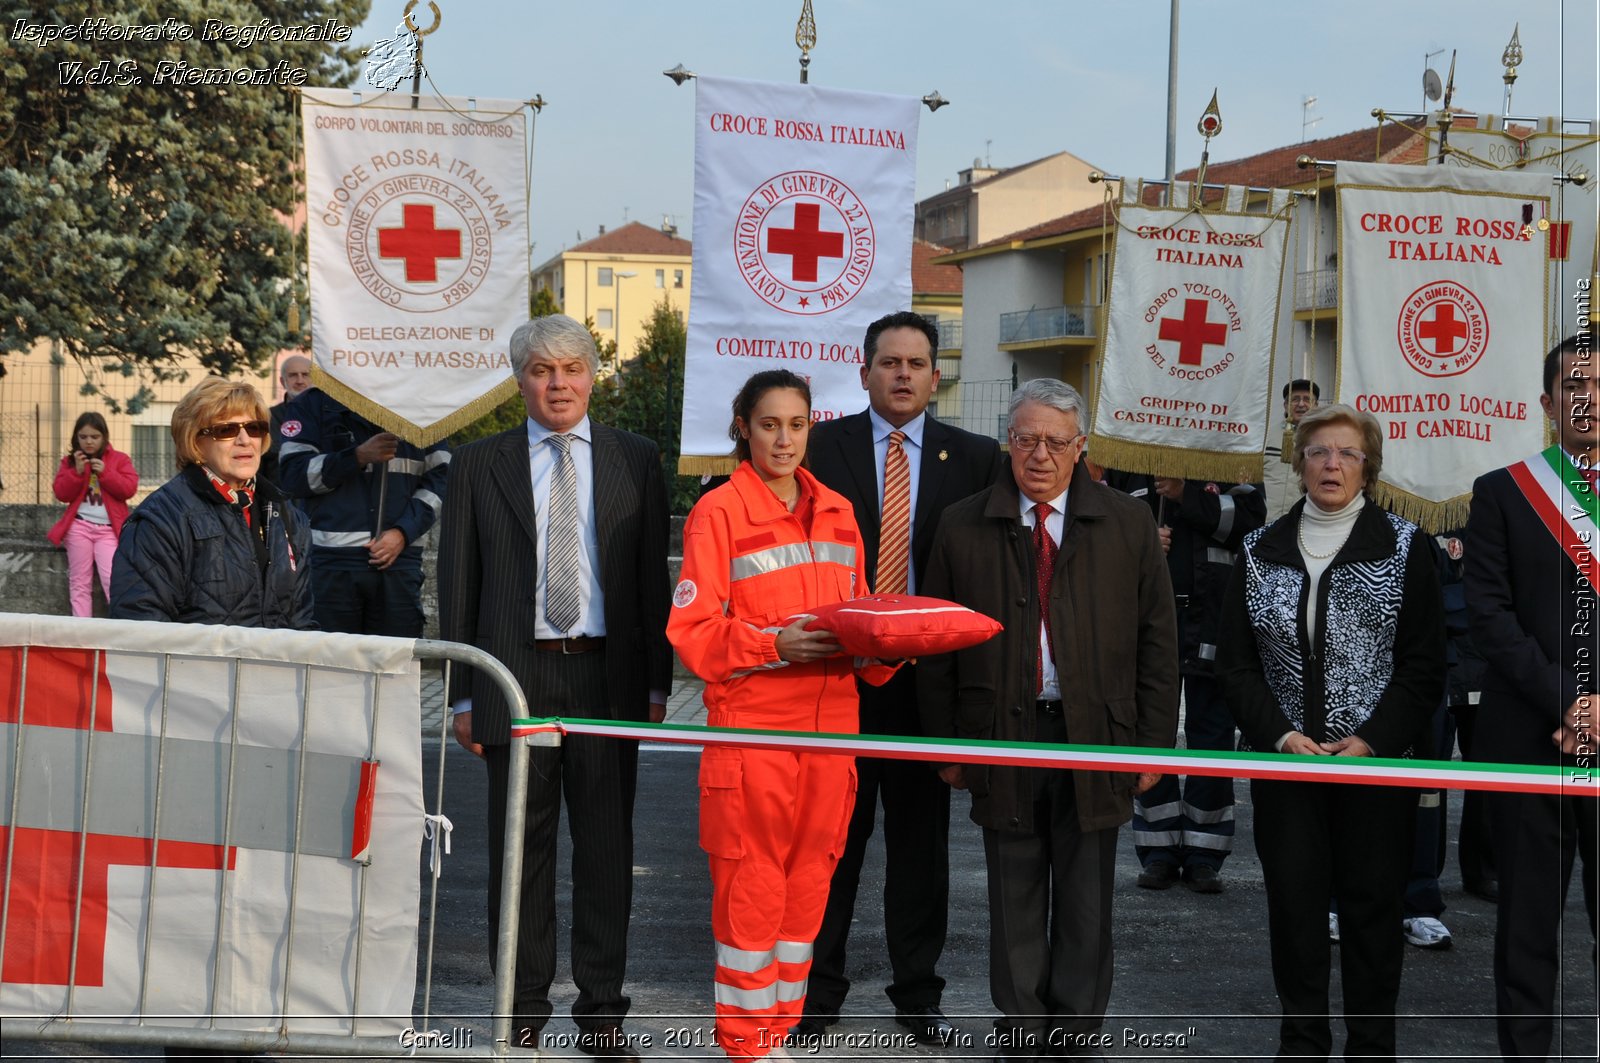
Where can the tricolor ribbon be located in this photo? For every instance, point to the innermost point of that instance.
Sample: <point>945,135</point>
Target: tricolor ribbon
<point>1372,771</point>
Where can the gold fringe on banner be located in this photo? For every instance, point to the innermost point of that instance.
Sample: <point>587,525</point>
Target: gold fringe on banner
<point>706,464</point>
<point>415,434</point>
<point>1218,466</point>
<point>1432,517</point>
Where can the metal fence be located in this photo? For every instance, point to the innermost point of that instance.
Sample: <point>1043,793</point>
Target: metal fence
<point>165,762</point>
<point>983,407</point>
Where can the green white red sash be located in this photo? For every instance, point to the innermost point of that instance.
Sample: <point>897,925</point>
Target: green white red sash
<point>1564,501</point>
<point>1379,771</point>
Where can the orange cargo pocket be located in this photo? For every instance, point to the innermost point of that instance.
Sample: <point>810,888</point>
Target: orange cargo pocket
<point>722,802</point>
<point>847,808</point>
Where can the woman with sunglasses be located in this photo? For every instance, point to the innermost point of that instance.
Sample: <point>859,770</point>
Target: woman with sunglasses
<point>216,545</point>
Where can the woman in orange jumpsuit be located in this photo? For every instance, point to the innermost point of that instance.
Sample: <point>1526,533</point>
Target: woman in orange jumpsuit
<point>769,544</point>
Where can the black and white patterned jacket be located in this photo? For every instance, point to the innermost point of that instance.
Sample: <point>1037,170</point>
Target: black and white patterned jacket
<point>1376,668</point>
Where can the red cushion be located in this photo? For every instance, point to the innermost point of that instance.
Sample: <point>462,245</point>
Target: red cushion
<point>902,625</point>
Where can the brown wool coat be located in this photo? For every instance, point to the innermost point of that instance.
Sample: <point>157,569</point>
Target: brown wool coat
<point>1116,645</point>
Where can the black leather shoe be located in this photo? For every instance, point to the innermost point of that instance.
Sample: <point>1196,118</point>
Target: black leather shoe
<point>928,1025</point>
<point>608,1044</point>
<point>1202,878</point>
<point>1486,888</point>
<point>1160,875</point>
<point>808,1033</point>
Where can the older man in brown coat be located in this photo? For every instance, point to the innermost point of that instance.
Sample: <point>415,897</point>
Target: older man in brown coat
<point>1095,664</point>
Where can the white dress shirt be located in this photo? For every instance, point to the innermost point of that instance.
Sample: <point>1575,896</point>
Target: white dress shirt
<point>1055,524</point>
<point>541,468</point>
<point>912,446</point>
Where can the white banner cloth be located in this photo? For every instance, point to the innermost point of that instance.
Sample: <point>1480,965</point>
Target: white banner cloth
<point>803,210</point>
<point>1442,309</point>
<point>194,819</point>
<point>419,255</point>
<point>1190,333</point>
<point>1572,250</point>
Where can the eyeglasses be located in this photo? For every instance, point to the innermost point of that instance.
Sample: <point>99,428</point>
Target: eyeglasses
<point>229,429</point>
<point>1347,455</point>
<point>1029,443</point>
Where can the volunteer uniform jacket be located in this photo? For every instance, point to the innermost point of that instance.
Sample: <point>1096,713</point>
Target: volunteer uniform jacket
<point>772,823</point>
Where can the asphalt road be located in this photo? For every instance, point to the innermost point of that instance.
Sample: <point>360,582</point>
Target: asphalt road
<point>1192,971</point>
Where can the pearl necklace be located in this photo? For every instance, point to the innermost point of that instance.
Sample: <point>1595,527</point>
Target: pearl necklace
<point>1300,533</point>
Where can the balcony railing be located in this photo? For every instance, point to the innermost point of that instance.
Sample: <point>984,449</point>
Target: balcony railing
<point>1048,323</point>
<point>1316,289</point>
<point>949,369</point>
<point>950,335</point>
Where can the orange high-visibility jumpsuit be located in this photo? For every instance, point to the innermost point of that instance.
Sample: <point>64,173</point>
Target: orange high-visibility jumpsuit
<point>772,823</point>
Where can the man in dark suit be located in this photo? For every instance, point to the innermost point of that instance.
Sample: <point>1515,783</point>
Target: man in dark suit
<point>1530,588</point>
<point>937,464</point>
<point>1088,655</point>
<point>553,557</point>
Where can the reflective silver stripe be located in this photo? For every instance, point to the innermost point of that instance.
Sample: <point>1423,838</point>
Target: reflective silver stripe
<point>1154,813</point>
<point>428,498</point>
<point>1241,489</point>
<point>769,560</point>
<point>789,555</point>
<point>436,459</point>
<point>793,951</point>
<point>328,538</point>
<point>314,475</point>
<point>1207,815</point>
<point>1219,556</point>
<point>1225,519</point>
<point>405,467</point>
<point>294,448</point>
<point>838,553</point>
<point>742,672</point>
<point>744,960</point>
<point>788,992</point>
<point>763,999</point>
<point>1428,800</point>
<point>1219,843</point>
<point>1208,652</point>
<point>1157,839</point>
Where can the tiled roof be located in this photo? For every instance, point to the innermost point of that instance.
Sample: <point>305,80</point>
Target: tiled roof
<point>635,238</point>
<point>929,279</point>
<point>1270,169</point>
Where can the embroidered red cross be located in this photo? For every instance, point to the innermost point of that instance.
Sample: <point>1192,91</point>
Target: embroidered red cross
<point>1192,331</point>
<point>806,242</point>
<point>45,874</point>
<point>419,243</point>
<point>1443,330</point>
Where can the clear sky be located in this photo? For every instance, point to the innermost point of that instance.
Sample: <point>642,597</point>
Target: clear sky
<point>1026,78</point>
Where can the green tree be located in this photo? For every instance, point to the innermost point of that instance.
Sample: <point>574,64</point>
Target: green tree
<point>143,219</point>
<point>646,396</point>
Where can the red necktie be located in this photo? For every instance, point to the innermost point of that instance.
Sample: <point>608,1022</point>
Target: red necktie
<point>1044,556</point>
<point>894,543</point>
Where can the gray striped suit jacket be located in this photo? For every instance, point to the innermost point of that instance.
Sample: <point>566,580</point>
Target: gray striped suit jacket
<point>488,569</point>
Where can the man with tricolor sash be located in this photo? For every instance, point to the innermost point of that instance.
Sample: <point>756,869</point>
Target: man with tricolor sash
<point>1530,584</point>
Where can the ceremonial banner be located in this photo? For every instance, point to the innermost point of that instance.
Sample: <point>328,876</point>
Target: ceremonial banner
<point>1191,326</point>
<point>1442,325</point>
<point>1558,146</point>
<point>251,866</point>
<point>803,210</point>
<point>419,255</point>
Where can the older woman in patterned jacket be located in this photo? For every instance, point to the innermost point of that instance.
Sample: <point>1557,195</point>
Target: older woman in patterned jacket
<point>1333,645</point>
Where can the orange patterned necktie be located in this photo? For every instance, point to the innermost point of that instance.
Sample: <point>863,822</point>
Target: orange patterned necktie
<point>894,541</point>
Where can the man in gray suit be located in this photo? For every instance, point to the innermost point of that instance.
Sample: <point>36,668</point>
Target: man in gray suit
<point>553,557</point>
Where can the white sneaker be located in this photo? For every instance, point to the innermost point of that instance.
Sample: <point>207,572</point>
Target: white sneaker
<point>1333,927</point>
<point>1426,932</point>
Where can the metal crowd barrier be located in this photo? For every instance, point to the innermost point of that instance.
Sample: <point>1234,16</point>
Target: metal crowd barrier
<point>76,1023</point>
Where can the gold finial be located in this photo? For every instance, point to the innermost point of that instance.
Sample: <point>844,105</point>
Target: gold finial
<point>1210,123</point>
<point>1512,56</point>
<point>805,38</point>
